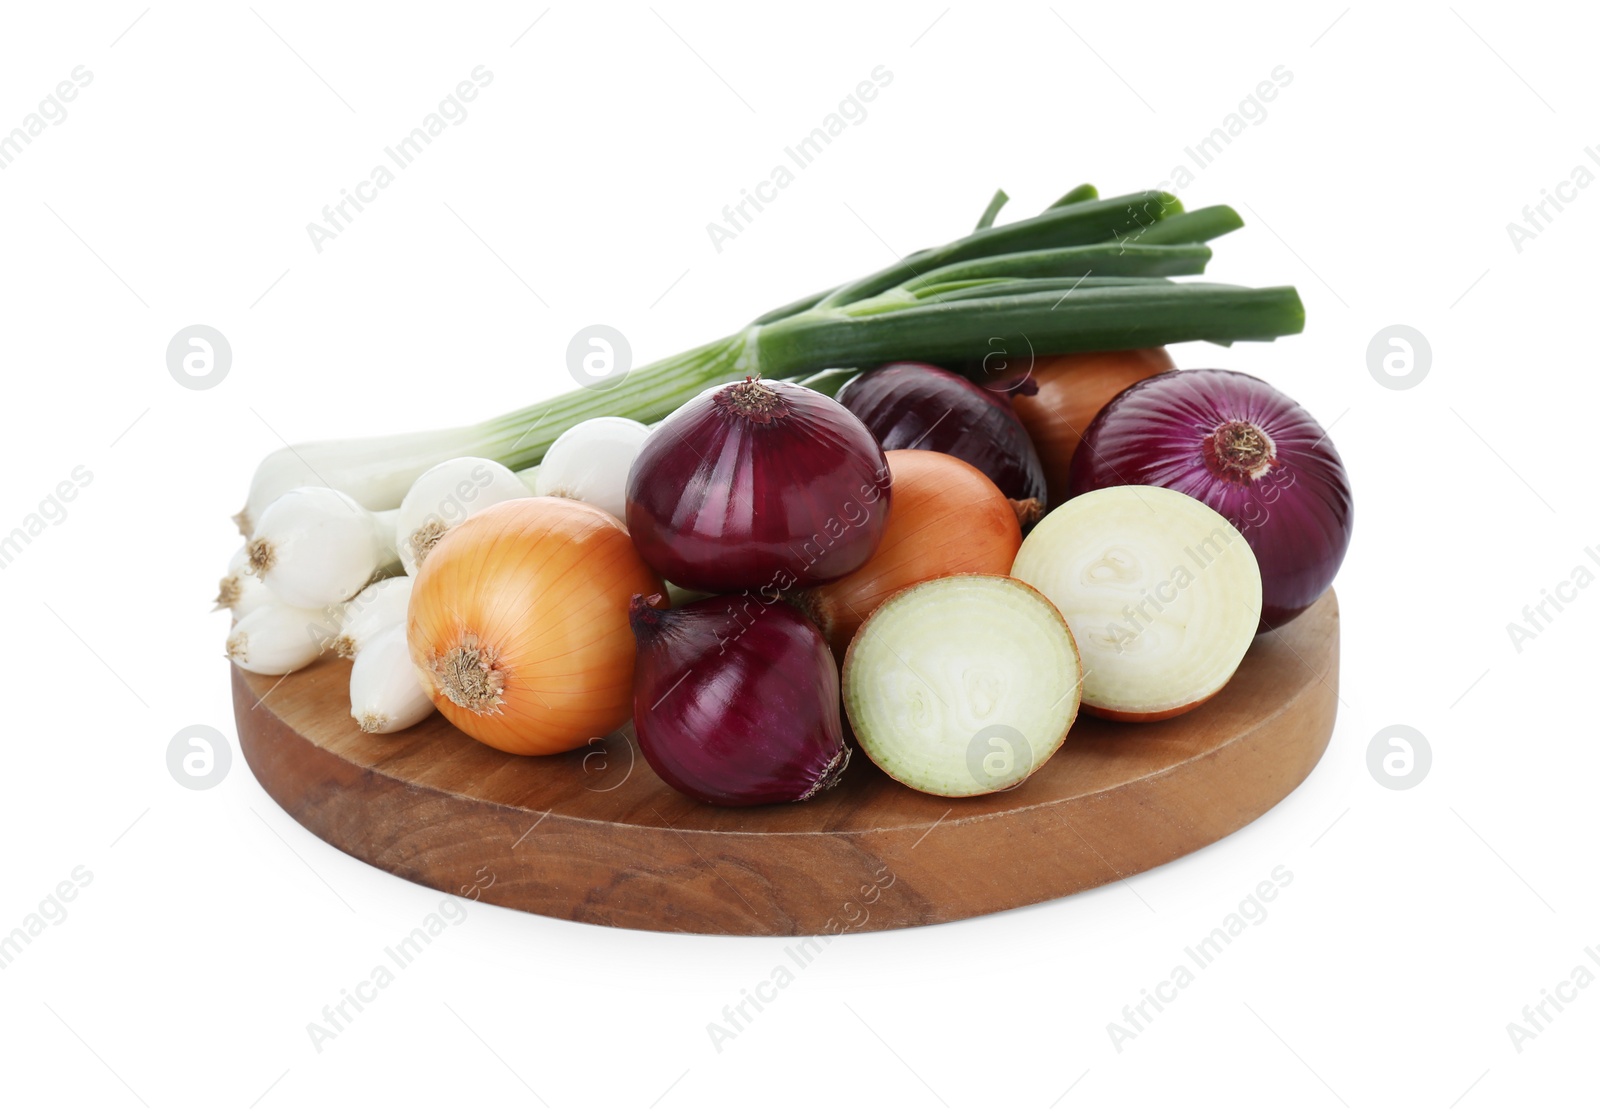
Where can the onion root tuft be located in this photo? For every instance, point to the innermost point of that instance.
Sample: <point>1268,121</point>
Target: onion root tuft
<point>467,675</point>
<point>425,538</point>
<point>263,556</point>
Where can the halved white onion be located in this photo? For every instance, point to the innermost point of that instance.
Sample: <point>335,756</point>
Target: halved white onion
<point>963,685</point>
<point>1162,593</point>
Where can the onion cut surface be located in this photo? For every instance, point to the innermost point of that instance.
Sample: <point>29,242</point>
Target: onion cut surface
<point>964,685</point>
<point>1162,594</point>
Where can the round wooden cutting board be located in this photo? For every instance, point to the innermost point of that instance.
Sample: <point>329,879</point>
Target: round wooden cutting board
<point>593,835</point>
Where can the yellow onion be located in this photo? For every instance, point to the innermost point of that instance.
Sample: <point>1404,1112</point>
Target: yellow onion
<point>1073,387</point>
<point>948,518</point>
<point>519,624</point>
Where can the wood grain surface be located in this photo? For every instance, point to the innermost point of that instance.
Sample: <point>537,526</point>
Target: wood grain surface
<point>593,835</point>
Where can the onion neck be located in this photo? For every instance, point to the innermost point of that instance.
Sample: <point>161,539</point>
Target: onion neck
<point>1029,511</point>
<point>831,773</point>
<point>1006,387</point>
<point>646,617</point>
<point>1240,451</point>
<point>813,605</point>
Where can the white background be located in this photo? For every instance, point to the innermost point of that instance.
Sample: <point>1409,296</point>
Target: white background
<point>177,191</point>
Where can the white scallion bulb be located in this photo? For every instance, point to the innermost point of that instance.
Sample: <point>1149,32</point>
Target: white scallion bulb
<point>590,462</point>
<point>278,639</point>
<point>444,496</point>
<point>315,547</point>
<point>386,694</point>
<point>379,607</point>
<point>240,591</point>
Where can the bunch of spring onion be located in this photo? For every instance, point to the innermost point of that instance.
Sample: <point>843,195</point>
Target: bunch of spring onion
<point>326,522</point>
<point>1086,274</point>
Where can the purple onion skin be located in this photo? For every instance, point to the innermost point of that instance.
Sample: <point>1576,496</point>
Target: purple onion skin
<point>912,406</point>
<point>760,485</point>
<point>736,701</point>
<point>1197,431</point>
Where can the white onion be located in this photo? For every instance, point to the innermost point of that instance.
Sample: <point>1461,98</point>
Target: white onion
<point>316,547</point>
<point>379,607</point>
<point>590,462</point>
<point>1162,593</point>
<point>444,496</point>
<point>277,639</point>
<point>385,692</point>
<point>962,685</point>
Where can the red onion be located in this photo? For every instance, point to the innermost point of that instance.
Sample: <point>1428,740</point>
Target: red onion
<point>736,700</point>
<point>758,485</point>
<point>1251,453</point>
<point>912,406</point>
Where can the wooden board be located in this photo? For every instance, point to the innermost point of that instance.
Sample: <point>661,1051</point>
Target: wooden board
<point>593,835</point>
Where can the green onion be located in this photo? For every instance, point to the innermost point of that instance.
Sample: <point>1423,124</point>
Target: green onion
<point>1136,258</point>
<point>1108,219</point>
<point>1062,320</point>
<point>1084,193</point>
<point>1086,274</point>
<point>992,288</point>
<point>1195,226</point>
<point>995,203</point>
<point>829,380</point>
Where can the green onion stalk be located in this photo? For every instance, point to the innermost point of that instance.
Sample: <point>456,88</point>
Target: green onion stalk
<point>1088,273</point>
